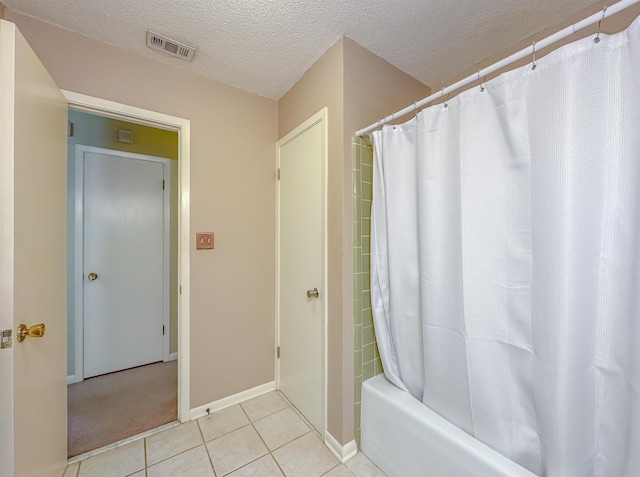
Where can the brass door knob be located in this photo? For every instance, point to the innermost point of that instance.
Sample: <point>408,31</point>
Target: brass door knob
<point>313,293</point>
<point>35,331</point>
<point>92,276</point>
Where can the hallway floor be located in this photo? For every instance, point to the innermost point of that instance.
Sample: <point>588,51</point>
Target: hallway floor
<point>264,436</point>
<point>114,406</point>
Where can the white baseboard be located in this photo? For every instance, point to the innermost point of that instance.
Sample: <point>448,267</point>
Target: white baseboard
<point>342,452</point>
<point>173,356</point>
<point>223,403</point>
<point>72,379</point>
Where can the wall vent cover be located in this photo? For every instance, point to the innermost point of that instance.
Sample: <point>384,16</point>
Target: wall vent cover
<point>125,136</point>
<point>170,47</point>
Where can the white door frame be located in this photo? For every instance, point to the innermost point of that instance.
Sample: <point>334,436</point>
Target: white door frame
<point>319,117</point>
<point>79,249</point>
<point>182,126</point>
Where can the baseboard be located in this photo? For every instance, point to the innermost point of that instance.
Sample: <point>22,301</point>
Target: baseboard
<point>173,356</point>
<point>223,403</point>
<point>342,452</point>
<point>72,379</point>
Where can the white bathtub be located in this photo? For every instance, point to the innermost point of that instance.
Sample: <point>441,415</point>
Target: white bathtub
<point>405,438</point>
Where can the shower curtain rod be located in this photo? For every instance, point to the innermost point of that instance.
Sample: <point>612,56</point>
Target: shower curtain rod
<point>528,51</point>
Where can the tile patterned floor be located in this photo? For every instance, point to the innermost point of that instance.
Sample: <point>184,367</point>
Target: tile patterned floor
<point>264,436</point>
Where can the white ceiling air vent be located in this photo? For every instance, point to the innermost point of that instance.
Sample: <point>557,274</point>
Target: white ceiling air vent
<point>170,47</point>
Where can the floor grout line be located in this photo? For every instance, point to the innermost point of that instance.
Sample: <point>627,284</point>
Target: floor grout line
<point>269,453</point>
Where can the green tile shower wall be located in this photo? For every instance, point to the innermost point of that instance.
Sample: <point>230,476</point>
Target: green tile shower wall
<point>365,355</point>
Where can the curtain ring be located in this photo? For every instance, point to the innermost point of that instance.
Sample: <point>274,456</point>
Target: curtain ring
<point>534,66</point>
<point>445,99</point>
<point>393,120</point>
<point>415,108</point>
<point>597,38</point>
<point>482,88</point>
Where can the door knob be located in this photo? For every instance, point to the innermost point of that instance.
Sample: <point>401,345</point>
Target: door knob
<point>313,293</point>
<point>35,331</point>
<point>92,276</point>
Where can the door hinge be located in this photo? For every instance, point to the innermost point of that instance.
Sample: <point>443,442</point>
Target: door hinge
<point>278,174</point>
<point>162,330</point>
<point>181,289</point>
<point>70,129</point>
<point>162,184</point>
<point>278,352</point>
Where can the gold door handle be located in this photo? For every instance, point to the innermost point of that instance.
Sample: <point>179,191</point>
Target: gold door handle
<point>35,331</point>
<point>92,276</point>
<point>313,293</point>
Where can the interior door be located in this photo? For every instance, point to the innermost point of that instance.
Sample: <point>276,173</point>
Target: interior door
<point>301,264</point>
<point>33,391</point>
<point>124,247</point>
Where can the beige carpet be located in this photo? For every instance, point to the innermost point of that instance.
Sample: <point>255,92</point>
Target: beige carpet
<point>108,408</point>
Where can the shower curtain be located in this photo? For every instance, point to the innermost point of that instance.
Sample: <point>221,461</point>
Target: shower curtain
<point>506,259</point>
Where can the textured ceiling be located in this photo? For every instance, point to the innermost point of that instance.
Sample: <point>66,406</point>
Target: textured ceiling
<point>265,46</point>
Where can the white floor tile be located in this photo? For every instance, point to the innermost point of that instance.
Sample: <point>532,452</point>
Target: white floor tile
<point>264,405</point>
<point>118,462</point>
<point>172,441</point>
<point>233,450</point>
<point>339,471</point>
<point>361,466</point>
<point>71,470</point>
<point>263,467</point>
<point>305,457</point>
<point>281,428</point>
<point>192,463</point>
<point>222,422</point>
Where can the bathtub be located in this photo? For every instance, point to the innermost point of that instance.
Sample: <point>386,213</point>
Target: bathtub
<point>405,438</point>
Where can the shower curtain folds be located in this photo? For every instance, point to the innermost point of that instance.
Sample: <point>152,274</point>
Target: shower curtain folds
<point>506,259</point>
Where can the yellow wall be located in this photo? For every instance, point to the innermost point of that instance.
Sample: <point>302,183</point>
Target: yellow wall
<point>358,88</point>
<point>233,134</point>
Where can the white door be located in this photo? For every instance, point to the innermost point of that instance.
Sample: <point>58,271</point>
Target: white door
<point>33,391</point>
<point>125,200</point>
<point>301,268</point>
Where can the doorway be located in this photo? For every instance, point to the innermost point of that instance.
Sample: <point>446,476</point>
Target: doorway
<point>34,128</point>
<point>99,346</point>
<point>301,269</point>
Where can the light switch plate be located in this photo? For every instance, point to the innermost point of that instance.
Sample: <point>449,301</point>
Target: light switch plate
<point>204,241</point>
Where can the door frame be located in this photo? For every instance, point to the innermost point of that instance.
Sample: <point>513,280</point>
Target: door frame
<point>114,110</point>
<point>319,118</point>
<point>79,248</point>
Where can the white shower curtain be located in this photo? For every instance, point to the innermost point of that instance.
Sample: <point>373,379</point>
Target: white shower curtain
<point>506,259</point>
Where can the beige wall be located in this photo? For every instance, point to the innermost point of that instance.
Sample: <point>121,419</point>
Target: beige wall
<point>232,194</point>
<point>358,88</point>
<point>322,86</point>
